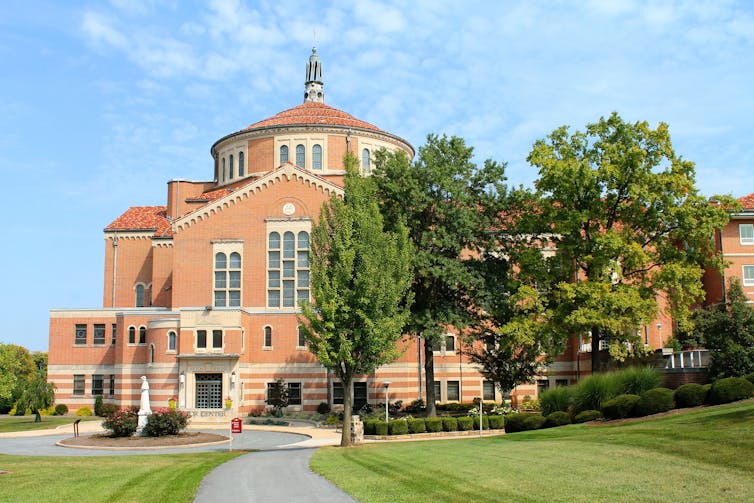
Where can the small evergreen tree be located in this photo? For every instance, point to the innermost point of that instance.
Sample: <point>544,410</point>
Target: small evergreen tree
<point>278,396</point>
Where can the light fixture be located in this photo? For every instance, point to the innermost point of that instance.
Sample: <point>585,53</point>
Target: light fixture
<point>233,377</point>
<point>182,378</point>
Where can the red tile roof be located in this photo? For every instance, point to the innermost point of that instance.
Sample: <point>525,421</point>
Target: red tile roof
<point>747,201</point>
<point>312,113</point>
<point>143,218</point>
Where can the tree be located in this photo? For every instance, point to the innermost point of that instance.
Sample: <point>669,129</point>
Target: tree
<point>16,369</point>
<point>628,223</point>
<point>37,394</point>
<point>278,396</point>
<point>360,287</point>
<point>727,330</point>
<point>450,207</point>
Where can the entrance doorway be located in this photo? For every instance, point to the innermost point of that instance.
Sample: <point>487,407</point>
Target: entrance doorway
<point>209,391</point>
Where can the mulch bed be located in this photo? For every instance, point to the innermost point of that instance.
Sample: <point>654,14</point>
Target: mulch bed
<point>139,442</point>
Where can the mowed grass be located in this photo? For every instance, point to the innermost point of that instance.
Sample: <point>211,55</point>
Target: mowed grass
<point>700,455</point>
<point>140,478</point>
<point>25,423</point>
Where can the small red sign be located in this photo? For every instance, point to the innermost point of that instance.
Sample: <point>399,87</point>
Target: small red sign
<point>235,425</point>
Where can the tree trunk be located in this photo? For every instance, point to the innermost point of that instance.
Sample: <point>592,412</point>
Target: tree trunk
<point>345,439</point>
<point>596,367</point>
<point>429,372</point>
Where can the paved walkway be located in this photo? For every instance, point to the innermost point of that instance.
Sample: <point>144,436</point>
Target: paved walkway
<point>278,471</point>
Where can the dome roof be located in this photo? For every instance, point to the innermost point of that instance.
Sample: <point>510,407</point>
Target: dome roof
<point>312,114</point>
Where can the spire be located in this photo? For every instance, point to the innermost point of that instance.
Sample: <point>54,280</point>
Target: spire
<point>314,87</point>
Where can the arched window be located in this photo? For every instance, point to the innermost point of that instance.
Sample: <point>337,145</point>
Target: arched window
<point>268,337</point>
<point>172,341</point>
<point>142,335</point>
<point>300,157</point>
<point>140,295</point>
<point>240,164</point>
<point>365,161</point>
<point>223,178</point>
<point>220,261</point>
<point>132,335</point>
<point>317,157</point>
<point>283,154</point>
<point>301,339</point>
<point>151,353</point>
<point>230,167</point>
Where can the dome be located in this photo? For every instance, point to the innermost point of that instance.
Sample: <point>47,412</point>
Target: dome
<point>313,113</point>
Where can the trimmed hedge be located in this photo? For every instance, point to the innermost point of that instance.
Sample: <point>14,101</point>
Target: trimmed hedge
<point>750,377</point>
<point>457,407</point>
<point>433,424</point>
<point>61,409</point>
<point>370,426</point>
<point>465,423</point>
<point>398,427</point>
<point>497,422</point>
<point>558,418</point>
<point>523,421</point>
<point>449,424</point>
<point>730,389</point>
<point>485,422</point>
<point>690,395</point>
<point>416,425</point>
<point>654,401</point>
<point>380,428</point>
<point>587,415</point>
<point>620,407</point>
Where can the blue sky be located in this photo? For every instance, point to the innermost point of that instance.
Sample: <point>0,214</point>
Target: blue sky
<point>101,103</point>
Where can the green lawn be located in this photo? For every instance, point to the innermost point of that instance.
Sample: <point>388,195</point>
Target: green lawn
<point>701,455</point>
<point>163,478</point>
<point>23,423</point>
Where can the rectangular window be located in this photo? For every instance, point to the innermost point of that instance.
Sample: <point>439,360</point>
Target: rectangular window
<point>97,381</point>
<point>301,339</point>
<point>268,337</point>
<point>436,387</point>
<point>749,275</point>
<point>78,384</point>
<point>337,393</point>
<point>115,330</point>
<point>488,390</point>
<point>450,343</point>
<point>359,395</point>
<point>99,334</point>
<point>542,385</point>
<point>217,339</point>
<point>201,339</point>
<point>287,268</point>
<point>454,391</point>
<point>746,234</point>
<point>80,335</point>
<point>112,385</point>
<point>294,393</point>
<point>559,383</point>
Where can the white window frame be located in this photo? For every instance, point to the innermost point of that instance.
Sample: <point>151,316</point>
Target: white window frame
<point>175,341</point>
<point>265,330</point>
<point>750,280</point>
<point>746,240</point>
<point>281,227</point>
<point>228,248</point>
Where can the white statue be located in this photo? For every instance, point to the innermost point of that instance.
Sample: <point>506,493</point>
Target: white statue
<point>144,410</point>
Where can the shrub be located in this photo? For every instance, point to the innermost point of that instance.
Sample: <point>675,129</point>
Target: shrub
<point>587,415</point>
<point>456,407</point>
<point>84,411</point>
<point>122,423</point>
<point>398,427</point>
<point>416,407</point>
<point>449,423</point>
<point>654,401</point>
<point>590,393</point>
<point>108,409</point>
<point>485,422</point>
<point>558,418</point>
<point>689,395</point>
<point>465,423</point>
<point>332,420</point>
<point>433,424</point>
<point>750,377</point>
<point>620,407</point>
<point>730,389</point>
<point>556,399</point>
<point>523,421</point>
<point>637,380</point>
<point>98,406</point>
<point>416,425</point>
<point>61,409</point>
<point>380,428</point>
<point>165,422</point>
<point>497,422</point>
<point>370,426</point>
<point>323,408</point>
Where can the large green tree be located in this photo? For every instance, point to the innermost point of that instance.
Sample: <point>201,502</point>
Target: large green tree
<point>450,207</point>
<point>628,223</point>
<point>16,370</point>
<point>360,287</point>
<point>727,330</point>
<point>37,394</point>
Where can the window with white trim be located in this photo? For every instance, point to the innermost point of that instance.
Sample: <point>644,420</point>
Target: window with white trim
<point>78,384</point>
<point>287,268</point>
<point>454,390</point>
<point>294,393</point>
<point>300,336</point>
<point>201,339</point>
<point>283,154</point>
<point>317,157</point>
<point>746,234</point>
<point>488,390</point>
<point>749,275</point>
<point>227,279</point>
<point>140,295</point>
<point>80,335</point>
<point>241,160</point>
<point>337,393</point>
<point>172,341</point>
<point>132,335</point>
<point>267,337</point>
<point>142,335</point>
<point>365,161</point>
<point>223,178</point>
<point>300,156</point>
<point>97,384</point>
<point>231,168</point>
<point>99,334</point>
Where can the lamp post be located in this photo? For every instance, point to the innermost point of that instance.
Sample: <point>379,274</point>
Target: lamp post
<point>386,384</point>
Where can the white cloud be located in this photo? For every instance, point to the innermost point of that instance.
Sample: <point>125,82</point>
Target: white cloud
<point>99,30</point>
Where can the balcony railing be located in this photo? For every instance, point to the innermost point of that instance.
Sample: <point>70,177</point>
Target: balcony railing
<point>688,359</point>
